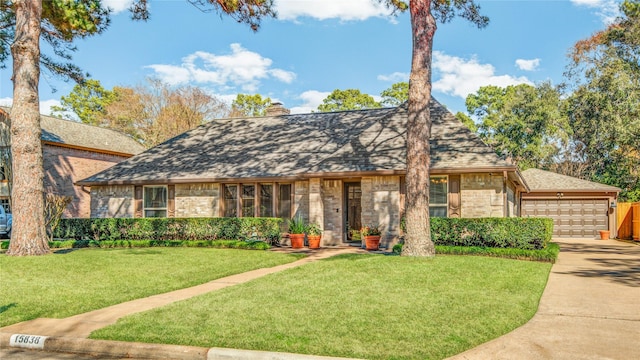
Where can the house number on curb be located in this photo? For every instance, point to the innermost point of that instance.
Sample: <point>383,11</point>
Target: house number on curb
<point>27,341</point>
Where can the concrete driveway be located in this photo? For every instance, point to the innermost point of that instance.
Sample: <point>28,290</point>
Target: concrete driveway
<point>590,308</point>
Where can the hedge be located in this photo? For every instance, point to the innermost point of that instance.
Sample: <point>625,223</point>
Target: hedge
<point>519,233</point>
<point>225,244</point>
<point>161,229</point>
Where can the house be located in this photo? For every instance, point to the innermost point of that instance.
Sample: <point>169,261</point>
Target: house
<point>340,170</point>
<point>579,208</point>
<point>73,151</point>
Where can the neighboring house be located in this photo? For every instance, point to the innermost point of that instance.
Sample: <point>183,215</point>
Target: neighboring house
<point>73,151</point>
<point>340,170</point>
<point>579,208</point>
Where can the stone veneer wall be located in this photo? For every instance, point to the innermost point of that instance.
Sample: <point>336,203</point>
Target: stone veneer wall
<point>198,200</point>
<point>381,206</point>
<point>112,201</point>
<point>481,195</point>
<point>301,200</point>
<point>332,200</point>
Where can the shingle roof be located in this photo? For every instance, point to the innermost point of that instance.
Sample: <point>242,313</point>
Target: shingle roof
<point>294,145</point>
<point>541,180</point>
<point>73,133</point>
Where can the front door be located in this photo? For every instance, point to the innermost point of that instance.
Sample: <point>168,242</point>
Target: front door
<point>353,196</point>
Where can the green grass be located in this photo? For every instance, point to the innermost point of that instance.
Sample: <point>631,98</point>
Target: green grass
<point>364,306</point>
<point>61,285</point>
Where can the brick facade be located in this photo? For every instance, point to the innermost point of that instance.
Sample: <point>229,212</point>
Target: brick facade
<point>333,202</point>
<point>112,201</point>
<point>381,206</point>
<point>63,166</point>
<point>197,200</point>
<point>323,201</point>
<point>481,195</point>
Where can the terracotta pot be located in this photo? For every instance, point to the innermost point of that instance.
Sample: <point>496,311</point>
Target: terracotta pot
<point>372,242</point>
<point>314,241</point>
<point>297,240</point>
<point>604,234</point>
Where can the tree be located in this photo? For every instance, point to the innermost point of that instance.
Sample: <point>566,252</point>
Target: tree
<point>62,22</point>
<point>167,111</point>
<point>396,95</point>
<point>424,14</point>
<point>246,105</point>
<point>88,100</point>
<point>350,99</point>
<point>467,121</point>
<point>523,122</point>
<point>59,22</point>
<point>604,107</point>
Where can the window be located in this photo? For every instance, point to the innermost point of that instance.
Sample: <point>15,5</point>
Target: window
<point>230,200</point>
<point>266,200</point>
<point>438,191</point>
<point>155,201</point>
<point>5,204</point>
<point>249,200</point>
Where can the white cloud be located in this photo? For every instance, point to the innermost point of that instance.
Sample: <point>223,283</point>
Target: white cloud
<point>45,105</point>
<point>608,10</point>
<point>394,77</point>
<point>117,5</point>
<point>528,65</point>
<point>344,10</point>
<point>311,99</point>
<point>242,68</point>
<point>461,77</point>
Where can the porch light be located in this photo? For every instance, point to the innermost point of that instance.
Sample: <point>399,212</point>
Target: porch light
<point>613,204</point>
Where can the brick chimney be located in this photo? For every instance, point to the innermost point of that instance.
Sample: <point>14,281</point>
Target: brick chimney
<point>276,109</point>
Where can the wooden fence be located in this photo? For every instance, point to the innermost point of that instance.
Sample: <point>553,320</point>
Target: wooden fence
<point>628,215</point>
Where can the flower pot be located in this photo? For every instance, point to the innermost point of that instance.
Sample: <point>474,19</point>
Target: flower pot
<point>604,234</point>
<point>372,242</point>
<point>314,241</point>
<point>297,240</point>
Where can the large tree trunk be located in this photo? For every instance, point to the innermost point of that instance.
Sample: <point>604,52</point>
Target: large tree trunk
<point>28,234</point>
<point>418,238</point>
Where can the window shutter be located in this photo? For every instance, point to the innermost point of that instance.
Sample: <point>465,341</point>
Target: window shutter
<point>137,195</point>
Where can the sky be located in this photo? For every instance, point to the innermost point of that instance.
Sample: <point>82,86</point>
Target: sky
<point>317,46</point>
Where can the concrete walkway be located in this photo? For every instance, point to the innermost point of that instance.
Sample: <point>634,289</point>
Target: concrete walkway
<point>590,308</point>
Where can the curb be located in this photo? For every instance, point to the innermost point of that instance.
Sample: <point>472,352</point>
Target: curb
<point>134,350</point>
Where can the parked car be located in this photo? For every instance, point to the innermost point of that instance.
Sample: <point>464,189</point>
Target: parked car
<point>5,223</point>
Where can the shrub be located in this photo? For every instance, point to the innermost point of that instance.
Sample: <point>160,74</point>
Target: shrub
<point>168,229</point>
<point>520,233</point>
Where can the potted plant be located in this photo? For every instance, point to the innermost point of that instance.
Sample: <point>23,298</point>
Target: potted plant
<point>314,234</point>
<point>296,232</point>
<point>371,235</point>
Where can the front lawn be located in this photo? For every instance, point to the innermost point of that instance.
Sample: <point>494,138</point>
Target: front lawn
<point>364,306</point>
<point>64,284</point>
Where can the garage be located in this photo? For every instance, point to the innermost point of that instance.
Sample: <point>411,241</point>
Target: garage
<point>577,218</point>
<point>579,208</point>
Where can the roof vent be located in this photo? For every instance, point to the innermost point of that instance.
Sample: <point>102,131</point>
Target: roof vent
<point>276,109</point>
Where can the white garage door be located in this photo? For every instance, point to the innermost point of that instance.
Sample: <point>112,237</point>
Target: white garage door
<point>571,218</point>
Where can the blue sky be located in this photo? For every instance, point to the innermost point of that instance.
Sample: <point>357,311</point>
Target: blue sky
<point>316,46</point>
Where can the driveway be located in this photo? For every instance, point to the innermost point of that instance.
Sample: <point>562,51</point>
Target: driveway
<point>590,308</point>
